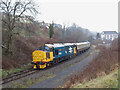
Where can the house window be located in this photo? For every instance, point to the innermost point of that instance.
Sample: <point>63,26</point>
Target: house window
<point>111,36</point>
<point>56,52</point>
<point>107,36</point>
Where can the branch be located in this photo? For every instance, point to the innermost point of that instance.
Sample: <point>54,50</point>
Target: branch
<point>4,3</point>
<point>14,14</point>
<point>24,9</point>
<point>3,8</point>
<point>5,22</point>
<point>9,3</point>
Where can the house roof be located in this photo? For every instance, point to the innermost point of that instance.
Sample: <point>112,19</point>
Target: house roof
<point>109,32</point>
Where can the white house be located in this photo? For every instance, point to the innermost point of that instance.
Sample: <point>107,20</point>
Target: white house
<point>109,35</point>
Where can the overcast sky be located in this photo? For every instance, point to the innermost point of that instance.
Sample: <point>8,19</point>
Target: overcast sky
<point>95,15</point>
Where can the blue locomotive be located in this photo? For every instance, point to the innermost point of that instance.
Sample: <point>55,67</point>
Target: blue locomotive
<point>50,54</point>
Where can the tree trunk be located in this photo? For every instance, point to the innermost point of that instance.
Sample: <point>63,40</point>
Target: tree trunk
<point>8,51</point>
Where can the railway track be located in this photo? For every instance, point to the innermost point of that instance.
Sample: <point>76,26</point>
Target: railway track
<point>24,73</point>
<point>21,74</point>
<point>18,75</point>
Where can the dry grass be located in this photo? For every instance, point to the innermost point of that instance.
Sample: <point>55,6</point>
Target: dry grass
<point>106,61</point>
<point>105,81</point>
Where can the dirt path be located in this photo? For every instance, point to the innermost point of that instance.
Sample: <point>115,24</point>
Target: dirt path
<point>60,77</point>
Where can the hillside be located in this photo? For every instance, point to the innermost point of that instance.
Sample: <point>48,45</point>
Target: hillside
<point>23,45</point>
<point>30,35</point>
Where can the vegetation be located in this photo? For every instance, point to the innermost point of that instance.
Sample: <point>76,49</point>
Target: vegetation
<point>22,34</point>
<point>63,33</point>
<point>75,33</point>
<point>51,32</point>
<point>29,82</point>
<point>105,81</point>
<point>13,12</point>
<point>98,36</point>
<point>28,40</point>
<point>104,64</point>
<point>13,70</point>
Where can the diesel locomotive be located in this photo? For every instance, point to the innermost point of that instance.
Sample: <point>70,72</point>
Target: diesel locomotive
<point>49,54</point>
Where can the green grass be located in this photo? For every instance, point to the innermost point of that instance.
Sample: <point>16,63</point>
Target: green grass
<point>31,81</point>
<point>12,70</point>
<point>106,81</point>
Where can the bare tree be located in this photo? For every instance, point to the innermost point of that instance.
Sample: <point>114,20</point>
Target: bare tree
<point>14,10</point>
<point>77,34</point>
<point>63,34</point>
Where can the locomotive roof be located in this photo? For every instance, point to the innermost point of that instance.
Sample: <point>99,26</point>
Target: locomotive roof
<point>64,44</point>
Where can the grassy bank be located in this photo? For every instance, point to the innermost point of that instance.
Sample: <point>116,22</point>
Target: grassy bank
<point>13,70</point>
<point>105,81</point>
<point>31,81</point>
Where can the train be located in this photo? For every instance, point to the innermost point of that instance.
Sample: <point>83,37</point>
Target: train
<point>50,54</point>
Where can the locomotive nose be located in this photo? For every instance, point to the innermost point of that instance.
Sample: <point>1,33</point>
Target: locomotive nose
<point>38,59</point>
<point>38,56</point>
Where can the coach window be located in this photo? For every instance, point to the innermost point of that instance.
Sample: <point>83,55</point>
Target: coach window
<point>46,48</point>
<point>48,55</point>
<point>56,52</point>
<point>66,50</point>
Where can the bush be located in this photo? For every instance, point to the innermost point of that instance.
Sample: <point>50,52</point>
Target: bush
<point>103,64</point>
